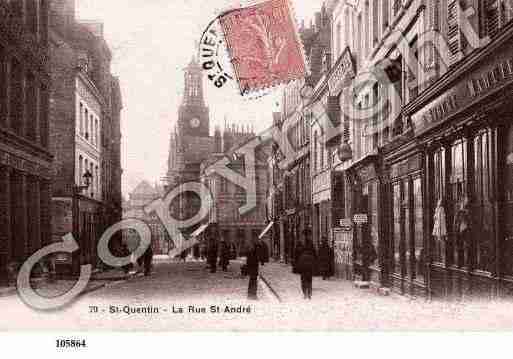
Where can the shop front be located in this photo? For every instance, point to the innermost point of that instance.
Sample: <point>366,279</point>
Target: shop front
<point>405,250</point>
<point>462,125</point>
<point>365,203</point>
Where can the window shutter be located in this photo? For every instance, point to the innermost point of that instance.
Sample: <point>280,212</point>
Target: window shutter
<point>453,33</point>
<point>385,14</point>
<point>375,23</point>
<point>492,14</point>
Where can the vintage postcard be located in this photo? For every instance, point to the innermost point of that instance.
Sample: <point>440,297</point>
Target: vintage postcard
<point>268,165</point>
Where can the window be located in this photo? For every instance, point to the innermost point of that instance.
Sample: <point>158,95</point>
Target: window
<point>453,33</point>
<point>32,16</point>
<point>86,124</point>
<point>80,169</point>
<point>32,107</point>
<point>413,70</point>
<point>439,178</point>
<point>406,239</point>
<point>322,149</point>
<point>3,86</point>
<point>338,41</point>
<point>373,216</point>
<point>346,28</point>
<point>359,41</point>
<point>385,21</point>
<point>43,116</point>
<point>483,209</point>
<point>92,187</point>
<point>492,16</point>
<point>397,228</point>
<point>458,188</point>
<point>90,129</point>
<point>16,97</point>
<point>97,180</point>
<point>375,22</point>
<point>96,131</point>
<point>81,119</point>
<point>396,6</point>
<point>418,231</point>
<point>315,145</point>
<point>368,33</point>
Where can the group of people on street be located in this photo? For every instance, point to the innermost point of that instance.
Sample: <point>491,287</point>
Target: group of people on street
<point>145,261</point>
<point>219,253</point>
<point>307,262</point>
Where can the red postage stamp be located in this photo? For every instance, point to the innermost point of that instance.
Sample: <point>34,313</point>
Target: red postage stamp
<point>264,45</point>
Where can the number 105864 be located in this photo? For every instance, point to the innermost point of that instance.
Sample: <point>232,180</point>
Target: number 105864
<point>70,343</point>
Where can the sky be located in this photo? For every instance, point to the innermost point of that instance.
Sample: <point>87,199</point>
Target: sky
<point>152,41</point>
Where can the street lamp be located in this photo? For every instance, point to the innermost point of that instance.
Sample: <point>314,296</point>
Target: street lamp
<point>77,190</point>
<point>345,152</point>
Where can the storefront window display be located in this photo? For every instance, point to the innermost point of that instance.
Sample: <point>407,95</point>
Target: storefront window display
<point>397,228</point>
<point>418,233</point>
<point>483,210</point>
<point>438,198</point>
<point>373,216</point>
<point>507,260</point>
<point>460,203</point>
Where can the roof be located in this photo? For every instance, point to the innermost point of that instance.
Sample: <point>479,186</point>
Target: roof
<point>144,188</point>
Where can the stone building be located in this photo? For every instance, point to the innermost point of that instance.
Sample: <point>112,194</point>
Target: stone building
<point>441,140</point>
<point>85,132</point>
<point>192,148</point>
<point>25,155</point>
<point>143,194</point>
<point>229,198</point>
<point>293,185</point>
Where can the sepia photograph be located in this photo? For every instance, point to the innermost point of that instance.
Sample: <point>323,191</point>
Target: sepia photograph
<point>178,166</point>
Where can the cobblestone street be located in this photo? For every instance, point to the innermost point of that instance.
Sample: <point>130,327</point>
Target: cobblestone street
<point>181,291</point>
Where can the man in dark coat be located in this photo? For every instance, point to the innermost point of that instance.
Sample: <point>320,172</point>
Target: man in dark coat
<point>263,252</point>
<point>297,253</point>
<point>306,266</point>
<point>148,260</point>
<point>252,266</point>
<point>224,254</point>
<point>325,259</point>
<point>212,254</point>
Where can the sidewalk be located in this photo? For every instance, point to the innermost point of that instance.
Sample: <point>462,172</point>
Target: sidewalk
<point>49,288</point>
<point>287,285</point>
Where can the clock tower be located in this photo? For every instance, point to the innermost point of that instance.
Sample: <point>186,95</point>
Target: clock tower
<point>193,115</point>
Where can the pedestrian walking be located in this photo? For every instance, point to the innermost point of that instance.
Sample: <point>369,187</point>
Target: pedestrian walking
<point>297,253</point>
<point>212,254</point>
<point>148,260</point>
<point>263,252</point>
<point>252,267</point>
<point>306,267</point>
<point>224,254</point>
<point>325,259</point>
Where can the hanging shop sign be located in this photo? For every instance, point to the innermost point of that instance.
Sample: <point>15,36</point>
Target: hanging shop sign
<point>361,218</point>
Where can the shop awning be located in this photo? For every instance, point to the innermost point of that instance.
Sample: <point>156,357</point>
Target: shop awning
<point>200,230</point>
<point>269,226</point>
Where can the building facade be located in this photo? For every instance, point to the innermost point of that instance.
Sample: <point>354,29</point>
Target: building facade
<point>228,198</point>
<point>440,140</point>
<point>142,195</point>
<point>25,156</point>
<point>85,133</point>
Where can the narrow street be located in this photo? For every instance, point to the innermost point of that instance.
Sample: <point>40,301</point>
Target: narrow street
<point>186,296</point>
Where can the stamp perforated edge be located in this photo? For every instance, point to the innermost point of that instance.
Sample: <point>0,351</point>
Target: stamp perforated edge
<point>272,84</point>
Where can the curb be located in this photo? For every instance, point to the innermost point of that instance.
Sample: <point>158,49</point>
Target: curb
<point>273,291</point>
